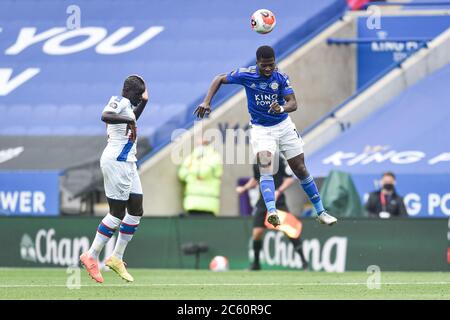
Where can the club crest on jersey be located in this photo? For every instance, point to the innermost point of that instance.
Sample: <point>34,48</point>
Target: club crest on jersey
<point>113,105</point>
<point>263,85</point>
<point>274,85</point>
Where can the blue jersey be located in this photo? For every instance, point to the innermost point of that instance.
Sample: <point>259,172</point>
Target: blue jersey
<point>261,92</point>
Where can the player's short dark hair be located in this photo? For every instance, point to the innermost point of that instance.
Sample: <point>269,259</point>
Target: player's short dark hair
<point>389,174</point>
<point>134,83</point>
<point>265,52</point>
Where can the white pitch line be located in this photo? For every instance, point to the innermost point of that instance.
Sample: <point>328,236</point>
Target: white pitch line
<point>220,284</point>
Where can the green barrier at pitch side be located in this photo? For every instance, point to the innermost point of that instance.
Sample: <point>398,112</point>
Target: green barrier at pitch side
<point>352,244</point>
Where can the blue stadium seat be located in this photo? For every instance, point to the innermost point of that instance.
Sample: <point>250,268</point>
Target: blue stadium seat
<point>44,115</point>
<point>71,115</point>
<point>92,130</point>
<point>20,115</point>
<point>3,112</point>
<point>146,131</point>
<point>66,130</point>
<point>92,115</point>
<point>13,130</point>
<point>39,130</point>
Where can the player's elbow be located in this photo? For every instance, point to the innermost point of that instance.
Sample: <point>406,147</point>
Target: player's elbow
<point>105,117</point>
<point>221,78</point>
<point>294,105</point>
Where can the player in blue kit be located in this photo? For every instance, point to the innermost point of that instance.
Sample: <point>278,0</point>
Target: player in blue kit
<point>270,99</point>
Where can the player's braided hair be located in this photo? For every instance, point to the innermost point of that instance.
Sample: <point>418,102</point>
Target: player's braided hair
<point>265,52</point>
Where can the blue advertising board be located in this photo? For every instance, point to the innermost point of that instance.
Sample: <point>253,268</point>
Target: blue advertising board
<point>425,196</point>
<point>373,56</point>
<point>29,193</point>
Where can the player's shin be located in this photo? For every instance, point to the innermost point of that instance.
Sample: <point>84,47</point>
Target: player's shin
<point>297,243</point>
<point>268,192</point>
<point>257,246</point>
<point>105,231</point>
<point>128,227</point>
<point>310,188</point>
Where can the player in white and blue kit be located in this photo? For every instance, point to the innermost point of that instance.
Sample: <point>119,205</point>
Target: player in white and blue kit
<point>270,99</point>
<point>122,184</point>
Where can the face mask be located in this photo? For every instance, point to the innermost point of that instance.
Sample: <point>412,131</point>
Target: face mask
<point>388,186</point>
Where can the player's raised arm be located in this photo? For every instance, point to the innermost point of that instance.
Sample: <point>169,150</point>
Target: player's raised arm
<point>141,106</point>
<point>205,107</point>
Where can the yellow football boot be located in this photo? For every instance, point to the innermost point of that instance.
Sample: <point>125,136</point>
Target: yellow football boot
<point>118,266</point>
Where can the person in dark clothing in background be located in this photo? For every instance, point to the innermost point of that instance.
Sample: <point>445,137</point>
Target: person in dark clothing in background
<point>386,203</point>
<point>283,179</point>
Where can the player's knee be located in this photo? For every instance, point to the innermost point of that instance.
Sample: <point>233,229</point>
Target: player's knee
<point>117,213</point>
<point>300,170</point>
<point>264,160</point>
<point>117,208</point>
<point>134,205</point>
<point>303,171</point>
<point>137,212</point>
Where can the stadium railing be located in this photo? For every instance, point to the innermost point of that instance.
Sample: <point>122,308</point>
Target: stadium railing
<point>423,42</point>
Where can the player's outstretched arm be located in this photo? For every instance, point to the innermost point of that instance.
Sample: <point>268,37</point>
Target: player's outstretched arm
<point>141,106</point>
<point>251,183</point>
<point>205,107</point>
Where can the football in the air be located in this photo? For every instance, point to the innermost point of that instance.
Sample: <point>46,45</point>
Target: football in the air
<point>263,21</point>
<point>219,263</point>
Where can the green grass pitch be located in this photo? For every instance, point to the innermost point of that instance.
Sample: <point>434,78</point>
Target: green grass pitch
<point>196,285</point>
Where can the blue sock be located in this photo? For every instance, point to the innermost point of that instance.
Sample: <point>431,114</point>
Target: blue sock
<point>268,192</point>
<point>310,188</point>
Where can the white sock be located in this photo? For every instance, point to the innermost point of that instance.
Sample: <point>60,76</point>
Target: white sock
<point>127,229</point>
<point>105,231</point>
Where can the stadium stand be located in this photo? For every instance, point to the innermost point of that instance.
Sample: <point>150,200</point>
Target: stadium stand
<point>320,99</point>
<point>191,43</point>
<point>427,99</point>
<point>53,89</point>
<point>53,111</point>
<point>410,136</point>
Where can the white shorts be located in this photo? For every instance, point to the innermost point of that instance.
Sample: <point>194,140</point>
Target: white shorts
<point>282,137</point>
<point>121,179</point>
